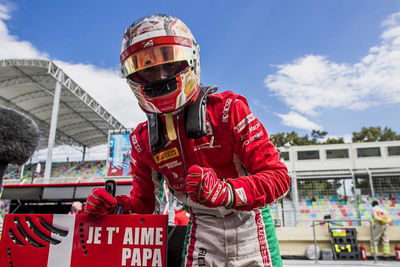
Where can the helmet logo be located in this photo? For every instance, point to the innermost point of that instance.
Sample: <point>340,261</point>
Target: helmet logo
<point>185,42</point>
<point>148,43</point>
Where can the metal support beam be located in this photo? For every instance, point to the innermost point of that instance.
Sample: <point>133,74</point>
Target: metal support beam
<point>52,132</point>
<point>371,183</point>
<point>76,90</point>
<point>356,195</point>
<point>295,197</point>
<point>83,154</point>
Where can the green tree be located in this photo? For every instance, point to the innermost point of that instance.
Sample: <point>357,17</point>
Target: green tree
<point>292,138</point>
<point>389,135</point>
<point>367,134</point>
<point>339,140</point>
<point>278,139</point>
<point>374,134</point>
<point>316,134</point>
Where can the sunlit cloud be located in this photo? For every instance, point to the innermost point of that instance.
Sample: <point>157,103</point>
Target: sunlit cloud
<point>104,85</point>
<point>312,83</point>
<point>296,120</point>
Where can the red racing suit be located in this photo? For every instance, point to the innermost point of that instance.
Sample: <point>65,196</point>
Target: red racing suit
<point>236,147</point>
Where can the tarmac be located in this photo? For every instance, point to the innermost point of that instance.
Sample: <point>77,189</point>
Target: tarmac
<point>341,263</point>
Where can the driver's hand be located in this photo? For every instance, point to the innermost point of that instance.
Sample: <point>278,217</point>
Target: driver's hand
<point>99,203</point>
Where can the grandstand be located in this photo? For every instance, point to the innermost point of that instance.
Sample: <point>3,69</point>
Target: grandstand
<point>64,112</point>
<point>85,170</point>
<point>340,180</point>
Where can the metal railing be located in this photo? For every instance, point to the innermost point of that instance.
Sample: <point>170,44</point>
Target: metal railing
<point>350,220</point>
<point>65,180</point>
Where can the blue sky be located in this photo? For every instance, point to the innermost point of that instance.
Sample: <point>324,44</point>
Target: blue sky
<point>332,65</point>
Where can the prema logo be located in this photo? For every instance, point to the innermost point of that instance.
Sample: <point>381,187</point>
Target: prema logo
<point>39,229</point>
<point>148,43</point>
<point>208,182</point>
<point>185,42</point>
<point>206,145</point>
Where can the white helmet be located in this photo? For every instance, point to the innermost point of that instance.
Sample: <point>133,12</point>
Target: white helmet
<point>161,43</point>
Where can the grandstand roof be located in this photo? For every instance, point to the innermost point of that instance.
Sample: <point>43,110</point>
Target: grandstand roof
<point>28,85</point>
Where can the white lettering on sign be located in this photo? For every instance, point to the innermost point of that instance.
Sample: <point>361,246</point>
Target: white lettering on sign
<point>147,254</point>
<point>136,259</point>
<point>147,236</point>
<point>141,257</point>
<point>143,236</point>
<point>110,231</point>
<point>128,236</point>
<point>94,235</point>
<point>126,254</point>
<point>97,235</point>
<point>159,236</point>
<point>137,236</point>
<point>90,236</point>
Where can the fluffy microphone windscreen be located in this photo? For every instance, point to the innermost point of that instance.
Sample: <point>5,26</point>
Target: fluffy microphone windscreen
<point>19,136</point>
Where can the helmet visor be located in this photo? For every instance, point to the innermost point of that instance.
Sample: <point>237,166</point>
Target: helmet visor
<point>154,56</point>
<point>158,73</point>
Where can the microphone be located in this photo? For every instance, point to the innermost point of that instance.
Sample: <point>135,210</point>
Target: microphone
<point>19,137</point>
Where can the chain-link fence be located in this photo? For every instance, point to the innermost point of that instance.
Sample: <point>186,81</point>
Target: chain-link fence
<point>339,195</point>
<point>386,183</point>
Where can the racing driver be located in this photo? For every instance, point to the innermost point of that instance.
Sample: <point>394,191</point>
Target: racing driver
<point>209,147</point>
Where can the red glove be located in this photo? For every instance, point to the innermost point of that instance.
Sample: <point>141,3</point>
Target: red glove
<point>100,203</point>
<point>204,187</point>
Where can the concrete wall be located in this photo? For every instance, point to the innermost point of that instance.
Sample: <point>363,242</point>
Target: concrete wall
<point>353,162</point>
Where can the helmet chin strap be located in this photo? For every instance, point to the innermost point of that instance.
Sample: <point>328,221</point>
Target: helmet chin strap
<point>195,116</point>
<point>195,122</point>
<point>157,138</point>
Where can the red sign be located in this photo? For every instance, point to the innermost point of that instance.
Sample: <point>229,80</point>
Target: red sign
<point>45,240</point>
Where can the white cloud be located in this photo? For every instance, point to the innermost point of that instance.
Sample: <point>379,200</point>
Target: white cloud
<point>294,119</point>
<point>313,82</point>
<point>10,46</point>
<point>111,91</point>
<point>104,85</point>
